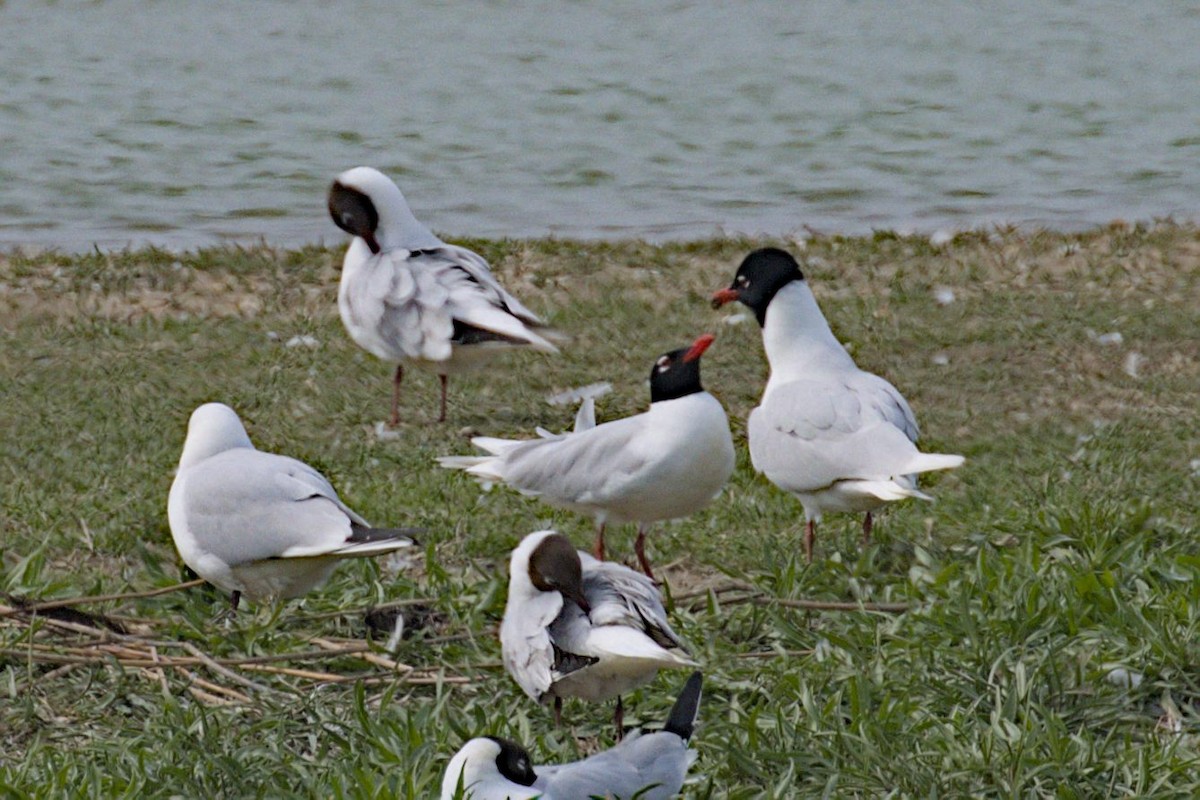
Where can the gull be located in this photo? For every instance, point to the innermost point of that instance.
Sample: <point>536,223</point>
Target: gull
<point>664,463</point>
<point>647,766</point>
<point>259,524</point>
<point>405,295</point>
<point>838,438</point>
<point>577,627</point>
<point>490,768</point>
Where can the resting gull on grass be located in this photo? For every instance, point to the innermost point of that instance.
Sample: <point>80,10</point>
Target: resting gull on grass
<point>258,524</point>
<point>646,766</point>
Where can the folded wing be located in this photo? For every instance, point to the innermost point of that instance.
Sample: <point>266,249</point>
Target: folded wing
<point>809,435</point>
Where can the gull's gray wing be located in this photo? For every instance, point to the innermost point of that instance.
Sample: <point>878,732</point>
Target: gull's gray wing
<point>620,596</point>
<point>588,468</point>
<point>885,400</point>
<point>445,296</point>
<point>628,770</point>
<point>473,264</point>
<point>245,505</point>
<point>808,435</point>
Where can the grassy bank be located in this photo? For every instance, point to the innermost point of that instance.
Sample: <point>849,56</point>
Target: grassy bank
<point>1066,548</point>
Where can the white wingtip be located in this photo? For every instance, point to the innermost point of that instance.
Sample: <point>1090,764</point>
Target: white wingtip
<point>579,393</point>
<point>585,417</point>
<point>930,462</point>
<point>887,491</point>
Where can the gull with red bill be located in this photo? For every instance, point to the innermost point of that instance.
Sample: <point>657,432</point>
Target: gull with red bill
<point>665,463</point>
<point>838,438</point>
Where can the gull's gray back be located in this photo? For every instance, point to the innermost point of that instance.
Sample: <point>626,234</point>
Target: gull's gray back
<point>621,596</point>
<point>245,505</point>
<point>658,760</point>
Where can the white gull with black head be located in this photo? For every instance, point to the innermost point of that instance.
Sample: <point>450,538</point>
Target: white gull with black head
<point>835,436</point>
<point>647,766</point>
<point>665,463</point>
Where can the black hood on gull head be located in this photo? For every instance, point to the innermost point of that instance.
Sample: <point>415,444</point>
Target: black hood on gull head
<point>760,277</point>
<point>677,373</point>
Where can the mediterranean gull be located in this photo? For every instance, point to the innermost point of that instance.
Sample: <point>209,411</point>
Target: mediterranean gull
<point>405,295</point>
<point>259,524</point>
<point>664,463</point>
<point>838,438</point>
<point>647,766</point>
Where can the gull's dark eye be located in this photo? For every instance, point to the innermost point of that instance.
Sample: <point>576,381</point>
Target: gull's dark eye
<point>743,280</point>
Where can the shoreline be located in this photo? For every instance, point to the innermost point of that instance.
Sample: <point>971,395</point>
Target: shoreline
<point>936,234</point>
<point>246,281</point>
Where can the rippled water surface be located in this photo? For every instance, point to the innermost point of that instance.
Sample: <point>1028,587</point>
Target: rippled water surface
<point>187,124</point>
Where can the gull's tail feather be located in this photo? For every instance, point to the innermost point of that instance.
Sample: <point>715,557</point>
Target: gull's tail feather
<point>682,719</point>
<point>929,462</point>
<point>477,464</point>
<point>887,491</point>
<point>484,469</point>
<point>498,327</point>
<point>462,462</point>
<point>494,445</point>
<point>552,335</point>
<point>542,343</point>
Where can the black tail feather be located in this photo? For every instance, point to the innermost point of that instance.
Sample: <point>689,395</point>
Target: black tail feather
<point>361,533</point>
<point>683,714</point>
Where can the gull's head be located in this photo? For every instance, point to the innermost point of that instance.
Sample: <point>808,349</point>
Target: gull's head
<point>550,563</point>
<point>212,429</point>
<point>487,760</point>
<point>760,277</point>
<point>677,373</point>
<point>368,204</point>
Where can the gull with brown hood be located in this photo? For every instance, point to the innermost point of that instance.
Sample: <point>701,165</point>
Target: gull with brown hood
<point>407,296</point>
<point>577,627</point>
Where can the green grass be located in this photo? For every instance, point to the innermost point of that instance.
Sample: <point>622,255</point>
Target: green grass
<point>1065,548</point>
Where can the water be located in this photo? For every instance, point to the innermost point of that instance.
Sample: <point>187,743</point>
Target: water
<point>188,124</point>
